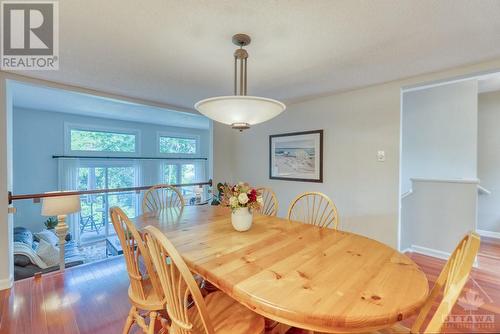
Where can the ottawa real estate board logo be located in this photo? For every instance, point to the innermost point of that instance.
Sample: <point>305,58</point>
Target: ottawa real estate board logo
<point>470,315</point>
<point>30,35</point>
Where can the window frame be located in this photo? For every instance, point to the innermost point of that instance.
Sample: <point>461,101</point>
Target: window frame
<point>179,135</point>
<point>68,127</point>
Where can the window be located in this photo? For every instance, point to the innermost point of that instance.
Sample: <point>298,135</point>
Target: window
<point>181,172</point>
<point>178,145</point>
<point>102,141</point>
<point>188,174</point>
<point>170,174</point>
<point>98,140</point>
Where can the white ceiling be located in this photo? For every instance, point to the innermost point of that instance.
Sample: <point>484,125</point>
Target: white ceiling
<point>179,51</point>
<point>51,99</point>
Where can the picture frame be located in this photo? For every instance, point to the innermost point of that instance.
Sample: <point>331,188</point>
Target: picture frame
<point>296,156</point>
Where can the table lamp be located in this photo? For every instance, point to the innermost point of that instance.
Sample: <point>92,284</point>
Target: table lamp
<point>198,191</point>
<point>61,206</point>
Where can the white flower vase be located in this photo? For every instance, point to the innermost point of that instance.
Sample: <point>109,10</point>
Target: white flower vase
<point>241,219</point>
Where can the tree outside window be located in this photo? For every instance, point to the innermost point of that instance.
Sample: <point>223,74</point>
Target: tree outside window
<point>101,141</point>
<point>177,145</point>
<point>170,173</point>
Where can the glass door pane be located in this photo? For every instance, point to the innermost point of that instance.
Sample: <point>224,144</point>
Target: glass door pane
<point>92,217</point>
<point>188,175</point>
<point>170,173</point>
<point>94,221</point>
<point>122,177</point>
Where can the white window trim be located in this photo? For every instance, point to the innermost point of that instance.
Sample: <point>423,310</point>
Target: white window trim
<point>178,135</point>
<point>99,128</point>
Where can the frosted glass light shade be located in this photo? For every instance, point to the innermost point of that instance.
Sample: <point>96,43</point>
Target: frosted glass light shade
<point>240,109</point>
<point>61,205</point>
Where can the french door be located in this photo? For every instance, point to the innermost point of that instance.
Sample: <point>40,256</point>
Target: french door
<point>94,223</point>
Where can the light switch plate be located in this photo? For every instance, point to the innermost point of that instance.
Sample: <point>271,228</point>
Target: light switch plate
<point>381,156</point>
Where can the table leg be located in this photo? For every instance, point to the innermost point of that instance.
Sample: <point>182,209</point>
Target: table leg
<point>61,231</point>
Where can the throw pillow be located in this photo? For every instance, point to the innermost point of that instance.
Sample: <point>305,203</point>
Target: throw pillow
<point>22,234</point>
<point>48,253</point>
<point>21,260</point>
<point>48,236</point>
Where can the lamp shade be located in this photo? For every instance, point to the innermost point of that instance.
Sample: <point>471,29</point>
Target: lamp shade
<point>60,205</point>
<point>240,109</point>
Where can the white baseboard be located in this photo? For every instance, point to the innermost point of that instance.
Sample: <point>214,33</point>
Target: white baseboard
<point>6,283</point>
<point>407,250</point>
<point>489,234</point>
<point>435,253</point>
<point>430,252</point>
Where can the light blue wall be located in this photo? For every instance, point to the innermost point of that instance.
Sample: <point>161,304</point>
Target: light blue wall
<point>38,135</point>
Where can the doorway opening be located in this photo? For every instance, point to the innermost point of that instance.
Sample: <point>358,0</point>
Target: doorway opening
<point>449,172</point>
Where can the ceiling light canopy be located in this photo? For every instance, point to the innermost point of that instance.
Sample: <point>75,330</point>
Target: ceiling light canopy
<point>240,111</point>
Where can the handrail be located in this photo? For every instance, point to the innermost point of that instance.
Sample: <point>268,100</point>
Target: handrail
<point>96,191</point>
<point>483,190</point>
<point>406,194</point>
<point>124,158</point>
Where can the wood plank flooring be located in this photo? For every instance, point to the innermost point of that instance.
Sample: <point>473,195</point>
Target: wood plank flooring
<point>93,298</point>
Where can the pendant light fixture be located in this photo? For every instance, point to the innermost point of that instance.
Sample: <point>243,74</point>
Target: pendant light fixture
<point>240,111</point>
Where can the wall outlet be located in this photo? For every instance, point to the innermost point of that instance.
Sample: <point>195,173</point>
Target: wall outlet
<point>380,156</point>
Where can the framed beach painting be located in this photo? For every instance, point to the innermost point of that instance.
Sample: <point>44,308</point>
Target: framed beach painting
<point>296,156</point>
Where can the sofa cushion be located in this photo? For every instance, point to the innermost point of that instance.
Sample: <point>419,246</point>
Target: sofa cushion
<point>21,248</point>
<point>22,234</point>
<point>31,269</point>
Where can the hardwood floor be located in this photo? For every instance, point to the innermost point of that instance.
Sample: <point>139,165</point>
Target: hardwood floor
<point>478,308</point>
<point>85,299</point>
<point>93,298</point>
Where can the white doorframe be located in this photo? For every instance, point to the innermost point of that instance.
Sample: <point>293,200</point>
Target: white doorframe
<point>424,85</point>
<point>6,219</point>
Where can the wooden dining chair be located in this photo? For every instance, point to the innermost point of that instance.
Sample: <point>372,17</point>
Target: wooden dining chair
<point>216,313</point>
<point>269,201</point>
<point>449,284</point>
<point>314,208</point>
<point>160,197</point>
<point>145,292</point>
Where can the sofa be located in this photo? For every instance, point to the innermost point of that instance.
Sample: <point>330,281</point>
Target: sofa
<point>24,266</point>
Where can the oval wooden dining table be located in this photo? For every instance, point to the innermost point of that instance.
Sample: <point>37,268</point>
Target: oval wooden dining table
<point>297,274</point>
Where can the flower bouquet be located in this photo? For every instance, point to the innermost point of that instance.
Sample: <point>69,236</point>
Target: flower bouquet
<point>242,199</point>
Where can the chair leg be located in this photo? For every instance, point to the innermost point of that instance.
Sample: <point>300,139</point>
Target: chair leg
<point>163,323</point>
<point>130,320</point>
<point>274,327</point>
<point>152,321</point>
